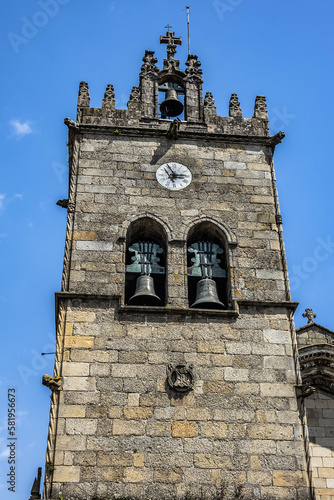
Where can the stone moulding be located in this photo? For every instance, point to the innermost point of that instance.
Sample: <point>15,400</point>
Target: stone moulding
<point>262,140</point>
<point>268,303</point>
<point>173,311</point>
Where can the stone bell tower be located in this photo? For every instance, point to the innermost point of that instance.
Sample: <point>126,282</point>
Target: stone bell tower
<point>175,373</point>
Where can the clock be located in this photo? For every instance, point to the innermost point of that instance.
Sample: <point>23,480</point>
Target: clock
<point>173,176</point>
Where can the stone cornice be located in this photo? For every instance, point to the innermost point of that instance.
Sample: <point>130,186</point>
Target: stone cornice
<point>140,131</point>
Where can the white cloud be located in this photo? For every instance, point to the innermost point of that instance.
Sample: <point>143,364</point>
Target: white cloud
<point>4,453</point>
<point>20,129</point>
<point>5,201</point>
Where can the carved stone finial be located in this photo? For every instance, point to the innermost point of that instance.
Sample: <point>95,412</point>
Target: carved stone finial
<point>210,110</point>
<point>234,107</point>
<point>35,494</point>
<point>108,100</point>
<point>309,314</point>
<point>53,383</point>
<point>209,101</point>
<point>134,102</point>
<point>193,65</point>
<point>135,95</point>
<point>149,63</point>
<point>260,108</point>
<point>83,97</point>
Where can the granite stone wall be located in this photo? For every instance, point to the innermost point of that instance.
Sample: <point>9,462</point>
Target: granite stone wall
<point>320,420</point>
<point>121,430</point>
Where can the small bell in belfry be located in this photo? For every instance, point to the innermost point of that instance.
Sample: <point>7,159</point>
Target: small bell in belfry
<point>171,106</point>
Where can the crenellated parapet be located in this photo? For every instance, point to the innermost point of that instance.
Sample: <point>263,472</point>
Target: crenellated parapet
<point>172,85</point>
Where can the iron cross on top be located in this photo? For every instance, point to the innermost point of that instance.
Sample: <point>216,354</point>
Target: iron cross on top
<point>170,39</point>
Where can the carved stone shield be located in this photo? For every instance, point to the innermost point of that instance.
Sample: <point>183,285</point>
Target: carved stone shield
<point>181,378</point>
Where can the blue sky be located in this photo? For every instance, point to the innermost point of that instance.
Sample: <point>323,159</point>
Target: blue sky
<point>283,50</point>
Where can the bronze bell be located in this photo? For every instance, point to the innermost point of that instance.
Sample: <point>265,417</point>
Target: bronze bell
<point>207,296</point>
<point>145,293</point>
<point>171,106</point>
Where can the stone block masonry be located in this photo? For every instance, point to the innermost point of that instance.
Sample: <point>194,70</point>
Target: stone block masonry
<point>171,402</point>
<point>122,431</point>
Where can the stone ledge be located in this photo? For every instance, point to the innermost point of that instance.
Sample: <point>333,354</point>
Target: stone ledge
<point>176,311</point>
<point>268,303</point>
<point>187,311</point>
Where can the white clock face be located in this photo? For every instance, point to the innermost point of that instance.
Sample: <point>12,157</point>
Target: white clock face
<point>173,176</point>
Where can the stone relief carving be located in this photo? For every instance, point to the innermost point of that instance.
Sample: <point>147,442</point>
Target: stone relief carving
<point>173,131</point>
<point>181,377</point>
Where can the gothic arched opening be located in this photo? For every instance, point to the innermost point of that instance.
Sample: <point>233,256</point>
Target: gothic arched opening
<point>207,262</point>
<point>145,259</point>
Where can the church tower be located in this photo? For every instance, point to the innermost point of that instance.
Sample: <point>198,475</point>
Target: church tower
<point>175,373</point>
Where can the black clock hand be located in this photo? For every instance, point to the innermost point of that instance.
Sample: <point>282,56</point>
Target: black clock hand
<point>168,173</point>
<point>173,173</point>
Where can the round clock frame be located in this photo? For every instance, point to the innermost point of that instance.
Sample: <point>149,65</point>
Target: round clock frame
<point>173,176</point>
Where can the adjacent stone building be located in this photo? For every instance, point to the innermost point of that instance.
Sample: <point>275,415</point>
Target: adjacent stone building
<point>176,372</point>
<point>316,357</point>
